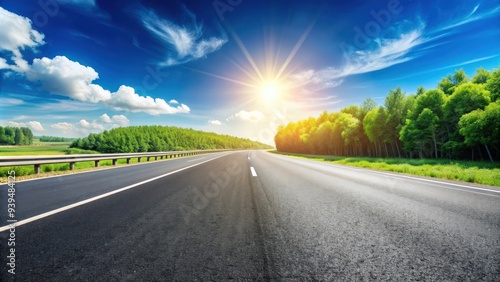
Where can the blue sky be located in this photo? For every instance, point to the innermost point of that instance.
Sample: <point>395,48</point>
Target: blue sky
<point>239,67</point>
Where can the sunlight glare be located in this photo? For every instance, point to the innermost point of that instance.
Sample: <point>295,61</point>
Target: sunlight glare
<point>270,90</point>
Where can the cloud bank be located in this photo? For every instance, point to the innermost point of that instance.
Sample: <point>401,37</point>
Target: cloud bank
<point>64,77</point>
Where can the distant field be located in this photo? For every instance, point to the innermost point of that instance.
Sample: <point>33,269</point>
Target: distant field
<point>38,148</point>
<point>486,173</point>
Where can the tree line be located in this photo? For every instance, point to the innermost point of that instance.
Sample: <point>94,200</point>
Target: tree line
<point>44,138</point>
<point>15,136</point>
<point>459,119</point>
<point>135,139</point>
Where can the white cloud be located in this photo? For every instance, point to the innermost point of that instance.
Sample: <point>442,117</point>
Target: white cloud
<point>119,120</point>
<point>87,125</point>
<point>33,125</point>
<point>173,102</point>
<point>16,34</point>
<point>10,101</point>
<point>83,127</point>
<point>126,99</point>
<point>63,126</point>
<point>67,78</point>
<point>471,17</point>
<point>105,118</point>
<point>3,64</point>
<point>388,52</point>
<point>253,116</point>
<point>185,39</point>
<point>214,122</point>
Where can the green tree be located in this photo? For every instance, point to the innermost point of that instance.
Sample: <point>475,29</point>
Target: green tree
<point>482,128</point>
<point>395,105</point>
<point>493,85</point>
<point>426,124</point>
<point>420,90</point>
<point>481,76</point>
<point>466,98</point>
<point>18,136</point>
<point>375,129</point>
<point>449,83</point>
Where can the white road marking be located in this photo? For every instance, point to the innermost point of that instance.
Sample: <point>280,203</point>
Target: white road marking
<point>254,174</point>
<point>68,207</point>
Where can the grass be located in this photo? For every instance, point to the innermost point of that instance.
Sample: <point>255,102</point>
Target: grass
<point>37,148</point>
<point>44,148</point>
<point>486,173</point>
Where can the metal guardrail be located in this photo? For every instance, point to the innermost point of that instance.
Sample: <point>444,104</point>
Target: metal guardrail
<point>37,161</point>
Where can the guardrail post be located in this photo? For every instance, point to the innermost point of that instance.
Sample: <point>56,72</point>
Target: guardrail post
<point>37,169</point>
<point>114,161</point>
<point>156,158</point>
<point>128,160</point>
<point>147,159</point>
<point>139,159</point>
<point>96,163</point>
<point>71,165</point>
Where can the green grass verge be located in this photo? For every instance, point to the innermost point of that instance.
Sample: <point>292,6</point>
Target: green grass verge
<point>486,173</point>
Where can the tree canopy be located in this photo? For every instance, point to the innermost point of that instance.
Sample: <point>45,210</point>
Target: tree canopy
<point>154,138</point>
<point>460,118</point>
<point>15,136</point>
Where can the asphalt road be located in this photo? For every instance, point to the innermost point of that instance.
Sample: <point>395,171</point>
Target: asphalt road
<point>250,216</point>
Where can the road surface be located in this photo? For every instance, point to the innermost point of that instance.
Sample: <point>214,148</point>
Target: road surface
<point>250,215</point>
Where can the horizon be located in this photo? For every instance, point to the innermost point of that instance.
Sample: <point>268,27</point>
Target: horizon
<point>80,67</point>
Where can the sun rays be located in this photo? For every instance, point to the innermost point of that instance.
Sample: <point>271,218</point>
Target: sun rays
<point>268,79</point>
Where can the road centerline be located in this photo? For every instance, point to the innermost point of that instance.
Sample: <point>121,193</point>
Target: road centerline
<point>254,174</point>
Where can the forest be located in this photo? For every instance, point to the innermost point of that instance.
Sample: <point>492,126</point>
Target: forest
<point>459,119</point>
<point>135,139</point>
<point>15,136</point>
<point>44,138</point>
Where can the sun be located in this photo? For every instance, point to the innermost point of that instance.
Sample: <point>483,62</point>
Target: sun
<point>270,90</point>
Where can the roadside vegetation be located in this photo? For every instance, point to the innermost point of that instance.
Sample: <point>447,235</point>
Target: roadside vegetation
<point>15,136</point>
<point>459,119</point>
<point>36,148</point>
<point>479,172</point>
<point>45,138</point>
<point>119,140</point>
<point>136,139</point>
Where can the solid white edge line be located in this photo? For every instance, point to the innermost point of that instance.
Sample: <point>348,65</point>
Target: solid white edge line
<point>254,174</point>
<point>397,175</point>
<point>74,205</point>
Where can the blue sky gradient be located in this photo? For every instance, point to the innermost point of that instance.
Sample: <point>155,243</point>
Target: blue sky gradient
<point>68,68</point>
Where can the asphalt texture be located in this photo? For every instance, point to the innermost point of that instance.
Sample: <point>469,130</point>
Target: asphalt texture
<point>213,218</point>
